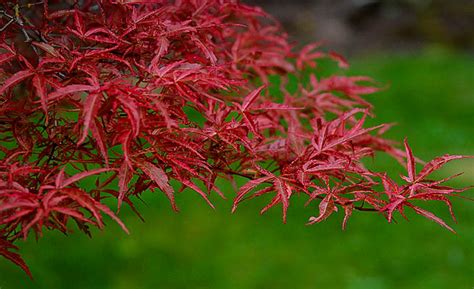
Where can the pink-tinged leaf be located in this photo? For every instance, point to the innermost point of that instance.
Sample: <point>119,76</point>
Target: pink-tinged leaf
<point>346,138</point>
<point>111,214</point>
<point>191,185</point>
<point>275,200</point>
<point>48,48</point>
<point>94,34</point>
<point>245,189</point>
<point>170,122</point>
<point>348,209</point>
<point>85,201</point>
<point>348,85</point>
<point>128,202</point>
<point>5,251</point>
<point>411,165</point>
<point>80,176</point>
<point>438,197</point>
<point>25,211</point>
<point>5,57</point>
<point>185,145</point>
<point>326,208</point>
<point>285,192</point>
<point>71,89</point>
<point>111,56</point>
<point>15,79</point>
<point>99,137</point>
<point>262,170</point>
<point>102,39</point>
<point>91,106</point>
<point>250,98</point>
<point>38,83</point>
<point>61,13</point>
<point>443,180</point>
<point>73,213</point>
<point>250,123</point>
<point>395,204</point>
<point>99,30</point>
<point>33,222</point>
<point>431,216</point>
<point>317,141</point>
<point>307,55</point>
<point>390,187</point>
<point>93,206</point>
<point>131,108</point>
<point>124,178</point>
<point>125,140</point>
<point>277,106</point>
<point>209,54</point>
<point>309,168</point>
<point>261,192</point>
<point>162,50</point>
<point>79,22</point>
<point>158,176</point>
<point>342,62</point>
<point>59,178</point>
<point>437,163</point>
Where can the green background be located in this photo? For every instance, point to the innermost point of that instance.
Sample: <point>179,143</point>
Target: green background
<point>431,98</point>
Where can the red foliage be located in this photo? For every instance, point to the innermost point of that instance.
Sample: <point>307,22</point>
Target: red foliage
<point>103,88</point>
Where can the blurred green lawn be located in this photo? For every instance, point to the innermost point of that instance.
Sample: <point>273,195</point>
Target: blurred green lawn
<point>431,97</point>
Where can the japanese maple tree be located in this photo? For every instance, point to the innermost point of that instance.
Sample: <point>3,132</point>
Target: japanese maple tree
<point>133,94</point>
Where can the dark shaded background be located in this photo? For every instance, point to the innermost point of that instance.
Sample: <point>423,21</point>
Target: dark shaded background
<point>355,27</point>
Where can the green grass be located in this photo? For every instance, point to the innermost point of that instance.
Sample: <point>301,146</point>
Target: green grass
<point>432,100</point>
